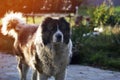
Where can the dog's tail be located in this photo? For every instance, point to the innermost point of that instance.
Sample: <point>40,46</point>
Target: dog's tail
<point>10,22</point>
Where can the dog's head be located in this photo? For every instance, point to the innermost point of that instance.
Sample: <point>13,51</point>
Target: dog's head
<point>10,23</point>
<point>55,31</point>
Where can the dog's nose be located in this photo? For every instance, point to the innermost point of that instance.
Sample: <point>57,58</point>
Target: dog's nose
<point>59,37</point>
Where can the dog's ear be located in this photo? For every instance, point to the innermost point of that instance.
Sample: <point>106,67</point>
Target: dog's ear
<point>66,27</point>
<point>62,20</point>
<point>46,21</point>
<point>44,27</point>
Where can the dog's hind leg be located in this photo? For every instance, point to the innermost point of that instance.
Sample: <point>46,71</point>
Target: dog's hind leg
<point>23,69</point>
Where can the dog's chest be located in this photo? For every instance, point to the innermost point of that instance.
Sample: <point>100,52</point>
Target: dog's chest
<point>54,59</point>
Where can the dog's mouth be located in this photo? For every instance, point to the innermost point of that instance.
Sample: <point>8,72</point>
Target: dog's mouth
<point>58,43</point>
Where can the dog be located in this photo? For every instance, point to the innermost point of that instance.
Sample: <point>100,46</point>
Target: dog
<point>46,48</point>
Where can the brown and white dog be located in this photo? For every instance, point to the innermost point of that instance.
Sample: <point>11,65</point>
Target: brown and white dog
<point>46,48</point>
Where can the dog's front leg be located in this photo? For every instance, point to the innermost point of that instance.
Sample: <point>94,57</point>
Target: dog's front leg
<point>23,69</point>
<point>60,76</point>
<point>34,76</point>
<point>42,76</point>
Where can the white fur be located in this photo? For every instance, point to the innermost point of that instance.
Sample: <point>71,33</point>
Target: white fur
<point>58,32</point>
<point>11,16</point>
<point>38,38</point>
<point>70,48</point>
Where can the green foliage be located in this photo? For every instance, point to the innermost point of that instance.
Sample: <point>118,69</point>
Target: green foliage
<point>101,50</point>
<point>114,63</point>
<point>113,20</point>
<point>77,38</point>
<point>104,15</point>
<point>98,58</point>
<point>117,9</point>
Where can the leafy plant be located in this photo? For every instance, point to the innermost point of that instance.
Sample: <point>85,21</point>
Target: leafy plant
<point>101,14</point>
<point>101,50</point>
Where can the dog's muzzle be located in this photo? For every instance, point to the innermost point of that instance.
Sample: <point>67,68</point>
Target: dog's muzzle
<point>58,38</point>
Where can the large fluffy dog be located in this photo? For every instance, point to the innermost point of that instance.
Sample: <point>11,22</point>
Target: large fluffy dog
<point>46,48</point>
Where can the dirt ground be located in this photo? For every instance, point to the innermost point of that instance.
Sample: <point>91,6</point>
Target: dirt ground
<point>8,71</point>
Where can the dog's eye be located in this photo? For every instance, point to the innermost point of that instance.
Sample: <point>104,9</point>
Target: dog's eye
<point>64,27</point>
<point>50,28</point>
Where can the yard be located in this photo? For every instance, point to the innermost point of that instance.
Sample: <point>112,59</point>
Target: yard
<point>101,50</point>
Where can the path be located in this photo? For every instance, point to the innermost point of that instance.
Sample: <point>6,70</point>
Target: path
<point>8,71</point>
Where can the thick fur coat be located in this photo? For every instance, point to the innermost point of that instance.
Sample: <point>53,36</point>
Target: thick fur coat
<point>46,48</point>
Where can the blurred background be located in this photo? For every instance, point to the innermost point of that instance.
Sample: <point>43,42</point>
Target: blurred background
<point>95,27</point>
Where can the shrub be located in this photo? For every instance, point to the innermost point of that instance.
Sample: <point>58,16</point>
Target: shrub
<point>78,46</point>
<point>114,63</point>
<point>98,58</point>
<point>101,50</point>
<point>113,20</point>
<point>104,15</point>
